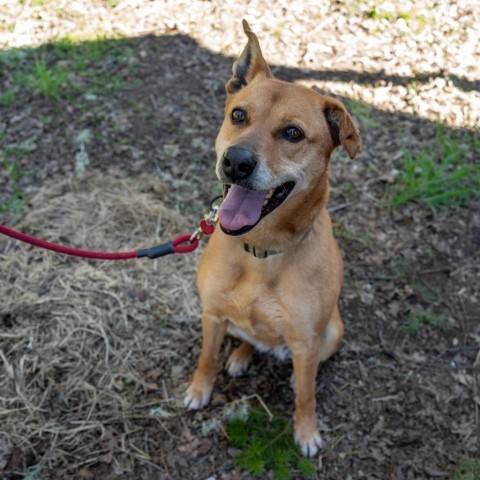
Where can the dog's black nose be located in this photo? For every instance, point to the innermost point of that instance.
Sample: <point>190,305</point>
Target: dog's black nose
<point>238,163</point>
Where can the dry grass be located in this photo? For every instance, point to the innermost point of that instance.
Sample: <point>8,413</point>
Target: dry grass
<point>76,333</point>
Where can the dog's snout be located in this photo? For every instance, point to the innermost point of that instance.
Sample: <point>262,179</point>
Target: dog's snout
<point>238,163</point>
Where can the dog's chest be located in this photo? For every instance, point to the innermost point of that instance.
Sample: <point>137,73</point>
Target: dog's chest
<point>255,313</point>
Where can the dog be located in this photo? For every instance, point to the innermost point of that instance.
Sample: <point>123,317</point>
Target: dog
<point>271,274</point>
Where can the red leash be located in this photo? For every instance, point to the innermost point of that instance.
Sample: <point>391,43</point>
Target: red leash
<point>182,244</point>
<point>175,246</point>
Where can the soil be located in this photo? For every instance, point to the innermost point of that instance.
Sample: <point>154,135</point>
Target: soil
<point>95,357</point>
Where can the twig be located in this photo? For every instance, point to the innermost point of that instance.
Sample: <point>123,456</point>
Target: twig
<point>340,207</point>
<point>262,403</point>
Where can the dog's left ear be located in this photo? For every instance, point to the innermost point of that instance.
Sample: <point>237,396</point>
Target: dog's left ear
<point>249,65</point>
<point>342,129</point>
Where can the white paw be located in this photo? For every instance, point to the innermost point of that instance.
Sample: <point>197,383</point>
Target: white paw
<point>236,368</point>
<point>311,445</point>
<point>196,398</point>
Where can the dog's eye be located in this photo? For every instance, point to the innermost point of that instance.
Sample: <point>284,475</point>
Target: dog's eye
<point>238,116</point>
<point>293,134</point>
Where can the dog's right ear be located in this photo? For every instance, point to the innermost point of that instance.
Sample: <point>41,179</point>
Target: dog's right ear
<point>249,65</point>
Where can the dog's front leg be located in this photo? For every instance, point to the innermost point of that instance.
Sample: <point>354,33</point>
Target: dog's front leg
<point>200,390</point>
<point>306,358</point>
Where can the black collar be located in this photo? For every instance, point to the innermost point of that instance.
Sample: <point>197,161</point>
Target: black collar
<point>257,253</point>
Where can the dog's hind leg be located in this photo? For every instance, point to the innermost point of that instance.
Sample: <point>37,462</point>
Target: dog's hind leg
<point>240,359</point>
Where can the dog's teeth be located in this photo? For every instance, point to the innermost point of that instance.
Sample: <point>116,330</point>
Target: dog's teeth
<point>268,196</point>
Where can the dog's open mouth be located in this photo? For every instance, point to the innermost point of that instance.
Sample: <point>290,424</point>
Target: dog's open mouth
<point>242,209</point>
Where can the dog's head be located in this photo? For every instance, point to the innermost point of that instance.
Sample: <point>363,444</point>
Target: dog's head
<point>274,146</point>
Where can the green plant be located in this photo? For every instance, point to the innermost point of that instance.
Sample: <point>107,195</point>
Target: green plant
<point>417,318</point>
<point>7,98</point>
<point>71,68</point>
<point>113,3</point>
<point>47,81</point>
<point>12,58</point>
<point>14,202</point>
<point>378,15</point>
<point>469,469</point>
<point>377,12</point>
<point>266,443</point>
<point>437,176</point>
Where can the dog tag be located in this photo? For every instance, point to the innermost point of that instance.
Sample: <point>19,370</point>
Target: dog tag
<point>207,228</point>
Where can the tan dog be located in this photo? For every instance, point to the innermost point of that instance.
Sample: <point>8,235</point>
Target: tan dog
<point>271,275</point>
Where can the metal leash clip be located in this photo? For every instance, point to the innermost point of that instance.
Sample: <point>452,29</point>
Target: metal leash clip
<point>207,224</point>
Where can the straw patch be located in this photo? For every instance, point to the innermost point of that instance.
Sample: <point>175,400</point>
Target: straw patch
<point>83,342</point>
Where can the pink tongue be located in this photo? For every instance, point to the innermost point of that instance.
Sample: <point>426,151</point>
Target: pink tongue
<point>240,208</point>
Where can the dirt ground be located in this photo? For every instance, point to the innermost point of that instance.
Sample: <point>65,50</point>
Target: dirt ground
<point>95,356</point>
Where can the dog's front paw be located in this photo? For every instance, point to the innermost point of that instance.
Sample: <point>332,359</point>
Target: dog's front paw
<point>197,396</point>
<point>309,441</point>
